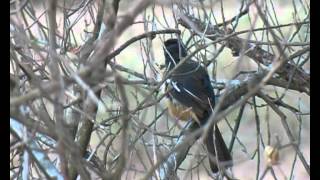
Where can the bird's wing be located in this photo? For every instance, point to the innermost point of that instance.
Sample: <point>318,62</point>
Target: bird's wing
<point>193,89</point>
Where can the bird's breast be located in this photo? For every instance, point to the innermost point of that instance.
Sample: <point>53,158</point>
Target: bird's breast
<point>179,111</point>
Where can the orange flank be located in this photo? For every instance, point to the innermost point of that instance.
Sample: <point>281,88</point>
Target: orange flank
<point>181,112</point>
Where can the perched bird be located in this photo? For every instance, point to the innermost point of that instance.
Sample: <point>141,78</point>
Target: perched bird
<point>190,95</point>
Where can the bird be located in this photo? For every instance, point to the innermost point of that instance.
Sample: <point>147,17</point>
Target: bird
<point>190,95</point>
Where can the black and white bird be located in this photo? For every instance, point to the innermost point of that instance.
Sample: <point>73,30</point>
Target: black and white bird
<point>191,96</point>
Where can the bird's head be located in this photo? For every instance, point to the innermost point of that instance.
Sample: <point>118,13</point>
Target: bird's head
<point>174,50</point>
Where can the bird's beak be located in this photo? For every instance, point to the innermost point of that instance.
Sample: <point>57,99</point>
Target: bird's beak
<point>162,66</point>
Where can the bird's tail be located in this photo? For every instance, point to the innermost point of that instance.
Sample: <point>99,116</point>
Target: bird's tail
<point>222,159</point>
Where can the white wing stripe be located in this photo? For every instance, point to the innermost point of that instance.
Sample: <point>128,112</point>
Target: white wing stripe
<point>174,84</point>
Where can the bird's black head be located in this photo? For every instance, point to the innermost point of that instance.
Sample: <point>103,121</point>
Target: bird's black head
<point>173,51</point>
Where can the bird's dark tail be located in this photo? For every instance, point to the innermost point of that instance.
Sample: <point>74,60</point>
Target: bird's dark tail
<point>223,156</point>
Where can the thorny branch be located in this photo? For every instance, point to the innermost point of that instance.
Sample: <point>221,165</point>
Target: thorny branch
<point>92,104</point>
